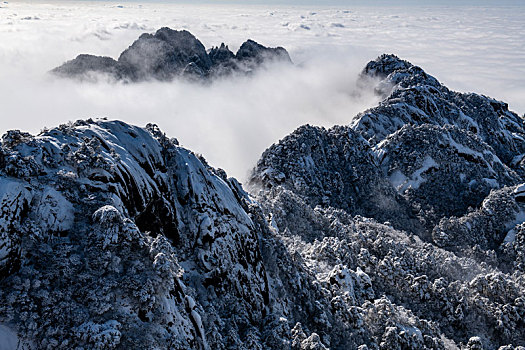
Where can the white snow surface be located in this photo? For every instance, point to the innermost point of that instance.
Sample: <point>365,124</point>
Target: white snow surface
<point>132,166</point>
<point>520,190</point>
<point>510,236</point>
<point>13,197</point>
<point>55,211</point>
<point>8,338</point>
<point>402,183</point>
<point>469,48</point>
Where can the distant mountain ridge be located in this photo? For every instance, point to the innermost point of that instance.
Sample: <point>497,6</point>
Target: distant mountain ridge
<point>168,54</point>
<point>403,230</point>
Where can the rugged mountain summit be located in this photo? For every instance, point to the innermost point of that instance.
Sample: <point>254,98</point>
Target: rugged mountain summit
<point>402,230</point>
<point>442,150</point>
<point>416,98</point>
<point>336,168</point>
<point>432,162</point>
<point>171,53</point>
<point>95,212</point>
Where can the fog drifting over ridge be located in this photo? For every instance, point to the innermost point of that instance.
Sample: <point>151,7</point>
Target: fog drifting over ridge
<point>232,121</point>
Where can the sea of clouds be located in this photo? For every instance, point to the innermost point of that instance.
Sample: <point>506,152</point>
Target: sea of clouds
<point>232,121</point>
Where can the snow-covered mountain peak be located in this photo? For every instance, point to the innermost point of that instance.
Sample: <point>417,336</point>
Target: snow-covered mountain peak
<point>402,230</point>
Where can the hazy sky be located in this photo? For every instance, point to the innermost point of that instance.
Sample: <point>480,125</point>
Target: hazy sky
<point>231,122</point>
<point>520,3</point>
<point>350,2</point>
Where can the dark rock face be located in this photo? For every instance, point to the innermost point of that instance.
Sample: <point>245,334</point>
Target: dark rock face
<point>119,209</point>
<point>85,64</point>
<point>454,160</point>
<point>414,97</point>
<point>223,60</point>
<point>253,54</point>
<point>442,171</point>
<point>168,54</point>
<point>334,167</point>
<point>164,55</point>
<point>221,54</point>
<point>403,230</point>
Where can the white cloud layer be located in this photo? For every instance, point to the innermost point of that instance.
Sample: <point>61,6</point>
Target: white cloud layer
<point>231,122</point>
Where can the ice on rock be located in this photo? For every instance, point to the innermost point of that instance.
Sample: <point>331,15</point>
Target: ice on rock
<point>404,229</point>
<point>519,192</point>
<point>15,197</point>
<point>451,159</point>
<point>8,338</point>
<point>161,190</point>
<point>400,181</point>
<point>55,211</point>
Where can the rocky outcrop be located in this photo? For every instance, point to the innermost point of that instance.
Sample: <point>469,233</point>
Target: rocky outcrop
<point>413,97</point>
<point>334,167</point>
<point>403,230</point>
<point>453,163</point>
<point>87,66</point>
<point>169,54</point>
<point>441,171</point>
<point>103,219</point>
<point>164,55</point>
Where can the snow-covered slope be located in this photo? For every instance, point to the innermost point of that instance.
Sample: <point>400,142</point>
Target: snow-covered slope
<point>403,230</point>
<point>416,98</point>
<point>441,166</point>
<point>334,167</point>
<point>95,212</point>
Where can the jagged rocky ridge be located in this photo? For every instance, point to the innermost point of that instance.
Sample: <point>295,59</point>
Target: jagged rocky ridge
<point>168,54</point>
<point>402,230</point>
<point>440,168</point>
